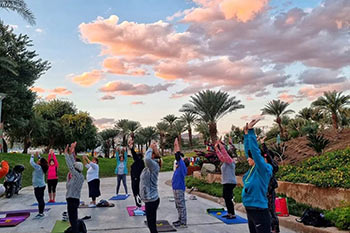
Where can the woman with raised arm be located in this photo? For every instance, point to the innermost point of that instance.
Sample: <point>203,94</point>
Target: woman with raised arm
<point>228,178</point>
<point>256,182</point>
<point>75,180</point>
<point>92,177</point>
<point>136,168</point>
<point>40,169</point>
<point>121,169</point>
<point>52,175</point>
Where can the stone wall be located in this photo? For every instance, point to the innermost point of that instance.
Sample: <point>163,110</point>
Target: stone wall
<point>324,198</point>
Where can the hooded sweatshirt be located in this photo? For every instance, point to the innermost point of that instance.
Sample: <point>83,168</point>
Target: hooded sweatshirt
<point>256,180</point>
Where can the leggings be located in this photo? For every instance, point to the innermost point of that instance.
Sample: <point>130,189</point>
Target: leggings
<point>135,185</point>
<point>151,215</point>
<point>272,209</point>
<point>72,209</point>
<point>227,193</point>
<point>39,195</point>
<point>121,178</point>
<point>51,185</point>
<point>258,220</point>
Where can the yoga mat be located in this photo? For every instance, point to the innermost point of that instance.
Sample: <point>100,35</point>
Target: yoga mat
<point>87,206</point>
<point>21,211</point>
<point>131,209</point>
<point>119,197</point>
<point>13,219</point>
<point>60,227</point>
<point>52,203</point>
<point>219,214</point>
<point>164,226</point>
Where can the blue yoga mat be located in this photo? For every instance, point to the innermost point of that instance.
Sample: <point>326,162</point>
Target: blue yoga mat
<point>119,197</point>
<point>21,211</point>
<point>53,203</point>
<point>237,220</point>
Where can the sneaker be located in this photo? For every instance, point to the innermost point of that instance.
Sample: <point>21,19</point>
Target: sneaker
<point>39,216</point>
<point>92,206</point>
<point>177,223</point>
<point>229,216</point>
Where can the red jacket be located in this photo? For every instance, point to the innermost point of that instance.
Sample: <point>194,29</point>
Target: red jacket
<point>4,169</point>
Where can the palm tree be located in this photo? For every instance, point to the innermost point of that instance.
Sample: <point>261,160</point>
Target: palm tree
<point>170,119</point>
<point>132,126</point>
<point>203,129</point>
<point>277,108</point>
<point>189,118</point>
<point>162,128</point>
<point>305,113</point>
<point>20,7</point>
<point>332,102</point>
<point>140,139</point>
<point>179,128</point>
<point>210,106</point>
<point>150,133</point>
<point>122,126</point>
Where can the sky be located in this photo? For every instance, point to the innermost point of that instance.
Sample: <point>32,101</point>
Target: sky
<point>141,60</point>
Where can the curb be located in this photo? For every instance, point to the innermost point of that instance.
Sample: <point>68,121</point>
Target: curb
<point>287,222</point>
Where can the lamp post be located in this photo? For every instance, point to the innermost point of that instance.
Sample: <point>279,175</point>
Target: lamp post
<point>2,96</point>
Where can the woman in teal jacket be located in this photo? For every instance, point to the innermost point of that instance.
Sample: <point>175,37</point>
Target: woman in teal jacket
<point>121,169</point>
<point>256,182</point>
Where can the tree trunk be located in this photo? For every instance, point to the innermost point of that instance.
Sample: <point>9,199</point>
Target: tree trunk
<point>213,132</point>
<point>26,144</point>
<point>162,143</point>
<point>4,146</point>
<point>124,140</point>
<point>190,136</point>
<point>335,121</point>
<point>279,122</point>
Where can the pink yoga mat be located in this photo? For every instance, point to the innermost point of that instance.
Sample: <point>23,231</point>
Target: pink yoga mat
<point>12,220</point>
<point>132,208</point>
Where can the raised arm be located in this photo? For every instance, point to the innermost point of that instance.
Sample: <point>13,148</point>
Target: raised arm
<point>117,157</point>
<point>126,156</point>
<point>32,162</point>
<point>177,150</point>
<point>222,153</point>
<point>246,145</point>
<point>261,165</point>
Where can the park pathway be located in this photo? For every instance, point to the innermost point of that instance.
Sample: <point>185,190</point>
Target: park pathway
<point>116,219</point>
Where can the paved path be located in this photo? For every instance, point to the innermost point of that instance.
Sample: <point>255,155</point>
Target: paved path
<point>116,219</point>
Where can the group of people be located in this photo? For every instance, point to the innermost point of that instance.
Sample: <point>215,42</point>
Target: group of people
<point>258,193</point>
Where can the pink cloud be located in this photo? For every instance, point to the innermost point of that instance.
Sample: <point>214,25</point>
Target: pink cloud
<point>116,66</point>
<point>51,97</point>
<point>103,123</point>
<point>287,97</point>
<point>38,89</point>
<point>107,97</point>
<point>61,91</point>
<point>87,79</point>
<point>137,103</point>
<point>188,91</point>
<point>315,91</point>
<point>126,88</point>
<point>242,10</point>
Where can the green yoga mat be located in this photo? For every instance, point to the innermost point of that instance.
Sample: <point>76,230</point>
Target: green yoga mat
<point>60,227</point>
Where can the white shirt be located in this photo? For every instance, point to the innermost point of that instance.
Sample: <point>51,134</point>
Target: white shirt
<point>92,172</point>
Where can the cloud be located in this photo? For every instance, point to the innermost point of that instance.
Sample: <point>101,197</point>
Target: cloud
<point>103,123</point>
<point>107,97</point>
<point>61,91</point>
<point>252,117</point>
<point>321,76</point>
<point>312,92</point>
<point>51,97</point>
<point>188,91</point>
<point>137,103</point>
<point>126,88</point>
<point>39,30</point>
<point>87,79</point>
<point>287,97</point>
<point>38,89</point>
<point>116,66</point>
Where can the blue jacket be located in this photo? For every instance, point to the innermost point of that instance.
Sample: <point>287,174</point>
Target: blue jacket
<point>256,180</point>
<point>125,162</point>
<point>38,179</point>
<point>178,181</point>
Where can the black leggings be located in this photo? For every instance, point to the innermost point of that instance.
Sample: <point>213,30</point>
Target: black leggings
<point>227,193</point>
<point>72,209</point>
<point>151,215</point>
<point>39,195</point>
<point>51,185</point>
<point>135,185</point>
<point>258,220</point>
<point>272,209</point>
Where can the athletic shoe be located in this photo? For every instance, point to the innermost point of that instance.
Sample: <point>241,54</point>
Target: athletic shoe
<point>177,223</point>
<point>229,216</point>
<point>92,206</point>
<point>39,216</point>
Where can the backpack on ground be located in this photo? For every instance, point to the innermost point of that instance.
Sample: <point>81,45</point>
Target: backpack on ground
<point>145,185</point>
<point>81,227</point>
<point>312,217</point>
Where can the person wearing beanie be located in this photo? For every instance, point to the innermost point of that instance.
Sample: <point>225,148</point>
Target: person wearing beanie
<point>75,180</point>
<point>256,182</point>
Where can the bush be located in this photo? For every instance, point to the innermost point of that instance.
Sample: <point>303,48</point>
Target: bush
<point>214,189</point>
<point>331,169</point>
<point>317,142</point>
<point>340,217</point>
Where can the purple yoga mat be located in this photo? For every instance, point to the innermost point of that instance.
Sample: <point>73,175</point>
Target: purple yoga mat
<point>132,208</point>
<point>21,211</point>
<point>14,219</point>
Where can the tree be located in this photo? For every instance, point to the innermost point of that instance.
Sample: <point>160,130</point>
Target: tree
<point>20,7</point>
<point>170,118</point>
<point>16,80</point>
<point>162,128</point>
<point>278,109</point>
<point>107,138</point>
<point>203,129</point>
<point>122,126</point>
<point>332,102</point>
<point>150,133</point>
<point>189,118</point>
<point>305,113</point>
<point>210,106</point>
<point>179,128</point>
<point>132,126</point>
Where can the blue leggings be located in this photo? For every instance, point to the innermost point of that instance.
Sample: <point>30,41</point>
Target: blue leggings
<point>121,178</point>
